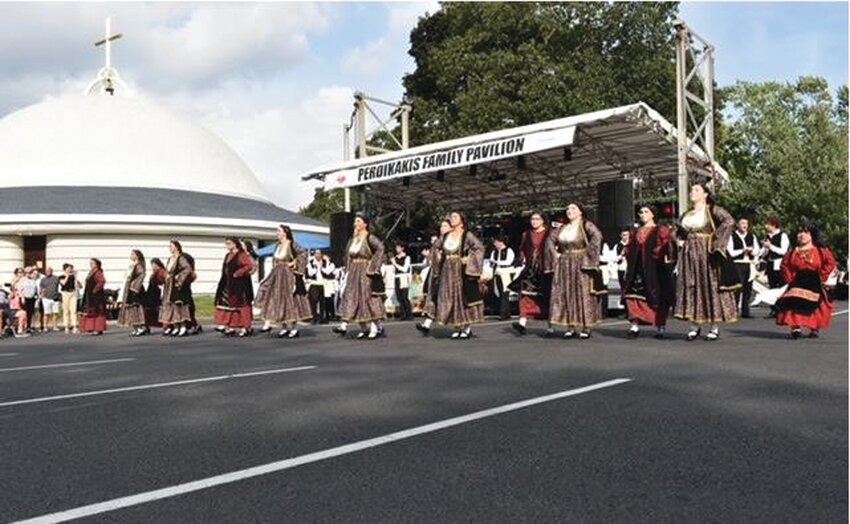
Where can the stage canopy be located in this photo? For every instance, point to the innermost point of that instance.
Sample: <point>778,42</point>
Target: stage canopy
<point>538,166</point>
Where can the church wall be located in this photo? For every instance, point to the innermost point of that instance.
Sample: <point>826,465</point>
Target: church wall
<point>114,253</point>
<point>11,256</point>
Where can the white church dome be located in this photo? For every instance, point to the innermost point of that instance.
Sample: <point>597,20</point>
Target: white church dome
<point>115,141</point>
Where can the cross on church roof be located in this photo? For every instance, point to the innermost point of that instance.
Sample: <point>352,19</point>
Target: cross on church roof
<point>107,39</point>
<point>107,78</point>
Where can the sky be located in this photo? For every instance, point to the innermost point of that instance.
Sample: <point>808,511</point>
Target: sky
<point>275,80</point>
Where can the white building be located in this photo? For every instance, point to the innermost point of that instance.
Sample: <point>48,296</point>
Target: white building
<point>99,175</point>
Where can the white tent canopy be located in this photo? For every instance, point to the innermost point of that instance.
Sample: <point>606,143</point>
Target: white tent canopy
<point>534,166</point>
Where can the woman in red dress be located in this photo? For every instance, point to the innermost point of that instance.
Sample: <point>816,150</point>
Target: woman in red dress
<point>235,292</point>
<point>94,300</point>
<point>649,290</point>
<point>806,268</point>
<point>532,283</point>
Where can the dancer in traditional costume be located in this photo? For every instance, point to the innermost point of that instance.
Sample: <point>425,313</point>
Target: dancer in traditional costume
<point>364,293</point>
<point>649,289</point>
<point>572,257</point>
<point>705,288</point>
<point>175,313</point>
<point>431,283</point>
<point>132,312</point>
<point>532,284</point>
<point>806,304</point>
<point>458,258</point>
<point>235,293</point>
<point>153,293</point>
<point>282,296</point>
<point>94,300</point>
<point>743,248</point>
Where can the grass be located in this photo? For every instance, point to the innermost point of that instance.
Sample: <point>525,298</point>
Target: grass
<point>204,305</point>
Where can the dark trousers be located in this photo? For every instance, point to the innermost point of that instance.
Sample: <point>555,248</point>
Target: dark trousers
<point>318,304</point>
<point>29,307</point>
<point>745,293</point>
<point>405,311</point>
<point>774,277</point>
<point>503,301</point>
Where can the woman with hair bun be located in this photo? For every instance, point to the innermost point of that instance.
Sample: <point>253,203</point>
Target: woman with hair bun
<point>705,289</point>
<point>458,258</point>
<point>648,290</point>
<point>363,297</point>
<point>282,296</point>
<point>572,258</point>
<point>235,293</point>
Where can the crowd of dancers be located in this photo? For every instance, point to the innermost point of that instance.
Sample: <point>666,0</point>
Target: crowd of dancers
<point>697,270</point>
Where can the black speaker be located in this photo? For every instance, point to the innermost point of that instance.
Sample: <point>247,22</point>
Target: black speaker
<point>342,227</point>
<point>615,208</point>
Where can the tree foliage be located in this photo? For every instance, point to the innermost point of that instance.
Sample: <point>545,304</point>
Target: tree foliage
<point>787,152</point>
<point>487,66</point>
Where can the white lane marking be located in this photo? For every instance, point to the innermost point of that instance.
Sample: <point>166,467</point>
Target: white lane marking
<point>153,386</point>
<point>840,312</point>
<point>68,364</point>
<point>273,467</point>
<point>7,354</point>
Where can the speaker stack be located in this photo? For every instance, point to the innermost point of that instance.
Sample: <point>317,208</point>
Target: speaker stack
<point>342,227</point>
<point>615,208</point>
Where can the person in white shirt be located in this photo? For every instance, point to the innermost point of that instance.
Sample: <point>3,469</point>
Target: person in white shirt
<point>773,249</point>
<point>321,276</point>
<point>502,262</point>
<point>743,247</point>
<point>401,265</point>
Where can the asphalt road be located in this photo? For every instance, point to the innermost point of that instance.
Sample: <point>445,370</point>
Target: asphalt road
<point>750,428</point>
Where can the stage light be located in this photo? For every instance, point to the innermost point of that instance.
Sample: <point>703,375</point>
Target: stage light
<point>441,176</point>
<point>568,153</point>
<point>405,181</point>
<point>520,162</point>
<point>473,170</point>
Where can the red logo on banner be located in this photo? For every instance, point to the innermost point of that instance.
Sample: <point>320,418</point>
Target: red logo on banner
<point>340,179</point>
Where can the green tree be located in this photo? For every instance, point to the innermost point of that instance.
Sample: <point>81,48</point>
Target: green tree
<point>787,153</point>
<point>487,66</point>
<point>326,203</point>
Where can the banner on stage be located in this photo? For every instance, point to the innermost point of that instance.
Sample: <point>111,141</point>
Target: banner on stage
<point>461,156</point>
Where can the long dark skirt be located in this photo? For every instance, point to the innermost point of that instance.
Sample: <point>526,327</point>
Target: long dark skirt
<point>571,303</point>
<point>358,303</point>
<point>451,309</point>
<point>698,296</point>
<point>277,300</point>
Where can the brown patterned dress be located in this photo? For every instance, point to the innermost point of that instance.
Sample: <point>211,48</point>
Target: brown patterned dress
<point>176,293</point>
<point>132,307</point>
<point>459,301</point>
<point>363,296</point>
<point>699,298</point>
<point>572,255</point>
<point>279,299</point>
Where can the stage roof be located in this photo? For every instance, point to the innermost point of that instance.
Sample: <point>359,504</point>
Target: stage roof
<point>538,166</point>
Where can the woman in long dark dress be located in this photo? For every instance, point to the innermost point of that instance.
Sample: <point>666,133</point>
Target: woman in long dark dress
<point>94,300</point>
<point>132,300</point>
<point>363,297</point>
<point>648,287</point>
<point>458,258</point>
<point>572,257</point>
<point>235,293</point>
<point>532,283</point>
<point>175,313</point>
<point>282,296</point>
<point>430,284</point>
<point>705,288</point>
<point>806,267</point>
<point>153,294</point>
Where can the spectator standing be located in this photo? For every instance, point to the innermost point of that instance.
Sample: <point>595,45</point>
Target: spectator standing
<point>50,299</point>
